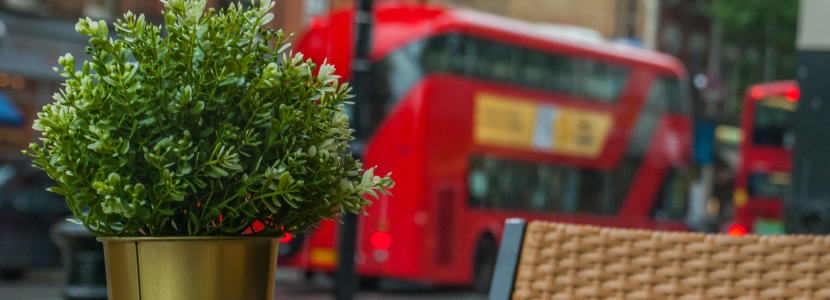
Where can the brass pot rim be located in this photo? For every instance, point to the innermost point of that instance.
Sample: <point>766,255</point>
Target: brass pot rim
<point>181,238</point>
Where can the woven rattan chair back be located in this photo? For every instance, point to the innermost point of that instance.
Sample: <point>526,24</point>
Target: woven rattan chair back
<point>566,261</point>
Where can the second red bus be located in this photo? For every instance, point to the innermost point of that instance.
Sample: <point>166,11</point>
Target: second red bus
<point>763,176</point>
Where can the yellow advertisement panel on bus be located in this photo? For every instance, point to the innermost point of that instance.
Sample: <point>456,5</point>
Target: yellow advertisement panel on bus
<point>528,125</point>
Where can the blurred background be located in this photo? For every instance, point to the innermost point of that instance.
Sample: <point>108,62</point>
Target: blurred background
<point>678,93</point>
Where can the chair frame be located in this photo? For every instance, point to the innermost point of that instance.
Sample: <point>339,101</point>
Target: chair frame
<point>507,261</point>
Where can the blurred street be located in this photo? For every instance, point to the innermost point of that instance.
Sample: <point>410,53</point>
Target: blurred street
<point>47,285</point>
<point>666,115</point>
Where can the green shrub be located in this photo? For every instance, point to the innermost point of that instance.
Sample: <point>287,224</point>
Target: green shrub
<point>201,127</point>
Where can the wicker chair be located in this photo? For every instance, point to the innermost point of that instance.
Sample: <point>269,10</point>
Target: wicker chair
<point>543,260</point>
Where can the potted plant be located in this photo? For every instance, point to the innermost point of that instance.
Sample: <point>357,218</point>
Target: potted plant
<point>190,148</point>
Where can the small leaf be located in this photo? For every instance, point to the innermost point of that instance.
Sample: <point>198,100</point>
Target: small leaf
<point>218,171</point>
<point>228,80</point>
<point>193,218</point>
<point>105,126</point>
<point>283,48</point>
<point>290,202</point>
<point>74,221</point>
<point>284,181</point>
<point>166,212</point>
<point>242,192</point>
<point>200,183</point>
<point>266,19</point>
<point>112,81</point>
<point>56,190</point>
<point>186,168</point>
<point>197,108</point>
<point>125,146</point>
<point>206,132</point>
<point>147,121</point>
<point>270,206</point>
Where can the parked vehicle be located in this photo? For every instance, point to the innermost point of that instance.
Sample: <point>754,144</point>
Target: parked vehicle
<point>482,118</point>
<point>27,213</point>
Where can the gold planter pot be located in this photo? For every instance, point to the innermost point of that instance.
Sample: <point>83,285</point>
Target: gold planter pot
<point>190,268</point>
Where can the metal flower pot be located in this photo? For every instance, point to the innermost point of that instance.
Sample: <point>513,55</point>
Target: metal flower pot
<point>190,268</point>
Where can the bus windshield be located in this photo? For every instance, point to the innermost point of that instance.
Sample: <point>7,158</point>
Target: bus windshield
<point>773,123</point>
<point>772,185</point>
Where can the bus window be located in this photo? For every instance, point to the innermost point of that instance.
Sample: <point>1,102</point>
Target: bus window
<point>654,106</point>
<point>393,76</point>
<point>560,75</point>
<point>403,69</point>
<point>494,61</point>
<point>599,81</point>
<point>674,95</point>
<point>773,185</point>
<point>469,46</point>
<point>591,191</point>
<point>608,201</point>
<point>774,122</point>
<point>532,71</point>
<point>570,191</point>
<point>456,51</point>
<point>502,184</point>
<point>437,56</point>
<point>621,180</point>
<point>671,202</point>
<point>550,193</point>
<point>668,91</point>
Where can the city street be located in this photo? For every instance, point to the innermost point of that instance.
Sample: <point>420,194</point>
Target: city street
<point>634,149</point>
<point>46,285</point>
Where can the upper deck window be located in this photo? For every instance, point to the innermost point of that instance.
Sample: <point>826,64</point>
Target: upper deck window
<point>773,124</point>
<point>498,62</point>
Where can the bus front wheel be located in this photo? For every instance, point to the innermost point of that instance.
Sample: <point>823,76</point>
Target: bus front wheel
<point>484,264</point>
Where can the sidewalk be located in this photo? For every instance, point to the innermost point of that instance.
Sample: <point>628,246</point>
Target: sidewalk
<point>48,285</point>
<point>36,285</point>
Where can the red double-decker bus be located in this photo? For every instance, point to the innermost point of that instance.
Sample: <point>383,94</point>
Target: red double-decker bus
<point>482,118</point>
<point>763,175</point>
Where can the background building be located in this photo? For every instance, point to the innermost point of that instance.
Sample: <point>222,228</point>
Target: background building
<point>40,31</point>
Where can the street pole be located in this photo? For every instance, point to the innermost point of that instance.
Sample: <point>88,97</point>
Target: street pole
<point>651,24</point>
<point>347,282</point>
<point>807,209</point>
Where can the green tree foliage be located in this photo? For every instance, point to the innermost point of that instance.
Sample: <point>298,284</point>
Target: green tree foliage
<point>767,28</point>
<point>202,126</point>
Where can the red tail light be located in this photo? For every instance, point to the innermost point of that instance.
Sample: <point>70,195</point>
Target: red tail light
<point>736,230</point>
<point>792,94</point>
<point>287,238</point>
<point>381,240</point>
